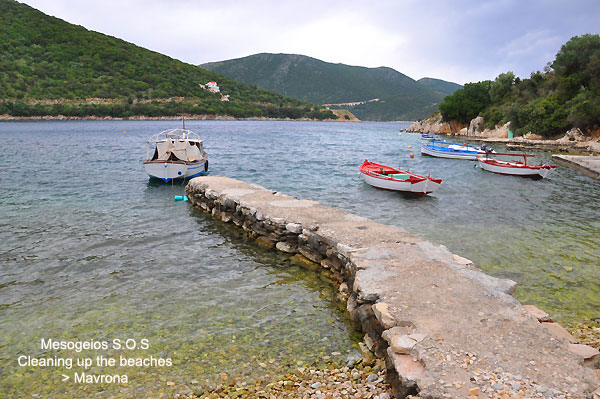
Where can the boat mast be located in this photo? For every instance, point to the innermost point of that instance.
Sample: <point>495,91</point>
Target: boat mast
<point>183,123</point>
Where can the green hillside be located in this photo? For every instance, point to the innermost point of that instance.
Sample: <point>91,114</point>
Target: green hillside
<point>439,86</point>
<point>44,58</point>
<point>316,81</point>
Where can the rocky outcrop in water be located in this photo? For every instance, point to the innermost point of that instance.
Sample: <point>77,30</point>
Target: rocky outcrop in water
<point>572,135</point>
<point>434,124</point>
<point>477,129</point>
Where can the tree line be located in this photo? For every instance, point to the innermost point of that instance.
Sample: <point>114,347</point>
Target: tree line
<point>565,94</point>
<point>157,109</point>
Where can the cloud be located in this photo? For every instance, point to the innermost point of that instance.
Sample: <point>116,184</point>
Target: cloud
<point>540,45</point>
<point>347,38</point>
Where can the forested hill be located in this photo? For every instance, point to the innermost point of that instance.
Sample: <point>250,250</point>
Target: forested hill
<point>398,96</point>
<point>566,94</point>
<point>45,58</point>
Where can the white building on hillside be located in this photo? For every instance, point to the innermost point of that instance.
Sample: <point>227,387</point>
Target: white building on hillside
<point>212,86</point>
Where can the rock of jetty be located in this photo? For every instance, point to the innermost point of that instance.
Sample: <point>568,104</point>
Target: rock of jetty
<point>444,328</point>
<point>588,165</point>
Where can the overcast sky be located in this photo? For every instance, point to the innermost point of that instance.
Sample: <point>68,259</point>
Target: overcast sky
<point>456,40</point>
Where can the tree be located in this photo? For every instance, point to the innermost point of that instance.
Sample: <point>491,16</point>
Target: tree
<point>465,104</point>
<point>584,110</point>
<point>502,86</point>
<point>577,64</point>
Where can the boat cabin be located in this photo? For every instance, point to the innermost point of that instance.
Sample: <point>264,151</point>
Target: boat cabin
<point>176,145</point>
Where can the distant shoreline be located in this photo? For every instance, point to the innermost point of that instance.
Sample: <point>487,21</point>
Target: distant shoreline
<point>151,118</point>
<point>10,118</point>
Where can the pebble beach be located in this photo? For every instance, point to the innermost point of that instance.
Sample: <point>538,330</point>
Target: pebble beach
<point>361,381</point>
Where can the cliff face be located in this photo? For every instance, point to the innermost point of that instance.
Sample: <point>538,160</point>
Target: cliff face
<point>434,124</point>
<point>476,127</point>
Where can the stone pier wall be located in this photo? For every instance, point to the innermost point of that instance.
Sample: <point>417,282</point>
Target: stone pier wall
<point>444,328</point>
<point>588,165</point>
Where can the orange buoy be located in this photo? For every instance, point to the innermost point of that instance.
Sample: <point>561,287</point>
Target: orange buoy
<point>412,154</point>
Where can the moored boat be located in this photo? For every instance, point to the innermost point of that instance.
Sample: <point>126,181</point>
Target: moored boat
<point>178,154</point>
<point>389,178</point>
<point>444,149</point>
<point>514,168</point>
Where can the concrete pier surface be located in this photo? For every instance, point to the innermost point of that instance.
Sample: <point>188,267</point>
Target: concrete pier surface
<point>444,328</point>
<point>588,165</point>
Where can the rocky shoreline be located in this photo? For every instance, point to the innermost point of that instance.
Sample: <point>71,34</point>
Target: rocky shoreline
<point>574,141</point>
<point>364,378</point>
<point>355,382</point>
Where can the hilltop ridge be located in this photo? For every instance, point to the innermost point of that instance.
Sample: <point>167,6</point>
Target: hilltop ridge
<point>398,97</point>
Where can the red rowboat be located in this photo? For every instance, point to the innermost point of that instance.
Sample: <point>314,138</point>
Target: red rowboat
<point>389,178</point>
<point>515,168</point>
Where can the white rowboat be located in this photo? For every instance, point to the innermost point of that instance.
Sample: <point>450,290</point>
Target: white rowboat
<point>514,168</point>
<point>389,178</point>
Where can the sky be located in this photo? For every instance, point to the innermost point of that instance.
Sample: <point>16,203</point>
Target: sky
<point>455,40</point>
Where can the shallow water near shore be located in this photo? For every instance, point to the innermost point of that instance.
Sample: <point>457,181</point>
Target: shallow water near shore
<point>90,248</point>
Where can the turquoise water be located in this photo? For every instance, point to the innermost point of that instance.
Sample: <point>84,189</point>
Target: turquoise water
<point>90,248</point>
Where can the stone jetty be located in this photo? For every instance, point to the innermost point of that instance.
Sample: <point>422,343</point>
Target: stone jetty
<point>588,165</point>
<point>444,328</point>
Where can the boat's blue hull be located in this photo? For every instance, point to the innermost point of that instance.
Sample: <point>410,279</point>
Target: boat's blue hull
<point>446,152</point>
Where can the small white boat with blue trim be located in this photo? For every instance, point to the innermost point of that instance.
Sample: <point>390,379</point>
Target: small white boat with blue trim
<point>444,149</point>
<point>178,154</point>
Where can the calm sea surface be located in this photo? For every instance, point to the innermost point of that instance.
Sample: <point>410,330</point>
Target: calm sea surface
<point>91,249</point>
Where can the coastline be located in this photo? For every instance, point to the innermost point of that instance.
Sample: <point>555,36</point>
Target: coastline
<point>573,142</point>
<point>9,118</point>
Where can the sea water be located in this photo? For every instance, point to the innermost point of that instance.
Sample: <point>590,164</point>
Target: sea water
<point>91,249</point>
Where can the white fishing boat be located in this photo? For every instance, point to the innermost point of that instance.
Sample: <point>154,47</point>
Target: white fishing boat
<point>444,149</point>
<point>514,168</point>
<point>177,154</point>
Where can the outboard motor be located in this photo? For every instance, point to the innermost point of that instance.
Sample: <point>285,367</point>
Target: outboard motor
<point>485,148</point>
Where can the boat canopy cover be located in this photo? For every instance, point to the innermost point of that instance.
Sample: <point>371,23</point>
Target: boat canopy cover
<point>162,147</point>
<point>182,149</point>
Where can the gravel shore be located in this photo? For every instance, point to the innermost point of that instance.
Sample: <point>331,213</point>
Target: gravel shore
<point>587,332</point>
<point>366,382</point>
